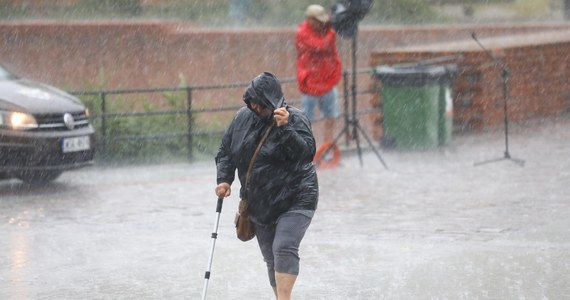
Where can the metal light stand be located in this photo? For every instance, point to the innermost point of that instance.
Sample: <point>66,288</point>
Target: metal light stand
<point>354,121</point>
<point>505,78</point>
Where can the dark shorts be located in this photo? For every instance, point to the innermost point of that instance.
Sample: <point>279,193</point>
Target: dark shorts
<point>280,243</point>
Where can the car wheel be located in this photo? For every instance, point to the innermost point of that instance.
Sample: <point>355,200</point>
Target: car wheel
<point>39,177</point>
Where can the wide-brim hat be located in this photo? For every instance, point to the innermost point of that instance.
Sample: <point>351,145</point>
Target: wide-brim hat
<point>318,12</point>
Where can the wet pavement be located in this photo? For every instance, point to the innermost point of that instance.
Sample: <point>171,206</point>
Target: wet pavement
<point>433,226</point>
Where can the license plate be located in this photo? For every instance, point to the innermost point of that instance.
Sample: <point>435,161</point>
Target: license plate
<point>75,144</point>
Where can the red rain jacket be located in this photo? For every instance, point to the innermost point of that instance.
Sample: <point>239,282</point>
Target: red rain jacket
<point>318,63</point>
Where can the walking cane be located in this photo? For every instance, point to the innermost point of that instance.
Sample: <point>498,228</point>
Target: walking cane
<point>214,237</point>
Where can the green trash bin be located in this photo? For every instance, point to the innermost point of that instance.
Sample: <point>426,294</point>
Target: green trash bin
<point>417,105</point>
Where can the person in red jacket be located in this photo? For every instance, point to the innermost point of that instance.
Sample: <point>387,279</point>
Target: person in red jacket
<point>318,67</point>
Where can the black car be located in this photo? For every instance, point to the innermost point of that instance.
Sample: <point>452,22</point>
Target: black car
<point>43,131</point>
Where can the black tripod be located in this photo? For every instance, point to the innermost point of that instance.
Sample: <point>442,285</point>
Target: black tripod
<point>353,121</point>
<point>505,78</point>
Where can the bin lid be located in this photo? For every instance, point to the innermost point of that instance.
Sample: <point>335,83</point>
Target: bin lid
<point>416,75</point>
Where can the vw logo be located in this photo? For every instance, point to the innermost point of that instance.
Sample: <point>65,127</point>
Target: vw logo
<point>69,121</point>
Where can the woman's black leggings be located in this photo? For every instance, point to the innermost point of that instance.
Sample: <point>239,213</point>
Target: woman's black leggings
<point>279,243</point>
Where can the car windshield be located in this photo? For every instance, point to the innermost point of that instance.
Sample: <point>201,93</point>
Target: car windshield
<point>5,74</point>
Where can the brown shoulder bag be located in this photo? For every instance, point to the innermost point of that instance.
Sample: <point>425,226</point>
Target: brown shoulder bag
<point>244,227</point>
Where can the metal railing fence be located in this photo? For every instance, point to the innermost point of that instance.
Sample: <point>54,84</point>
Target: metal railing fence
<point>105,138</point>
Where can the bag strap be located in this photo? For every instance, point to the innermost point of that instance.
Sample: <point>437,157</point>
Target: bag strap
<point>265,134</point>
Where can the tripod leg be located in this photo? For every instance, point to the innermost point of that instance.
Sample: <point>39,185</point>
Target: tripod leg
<point>339,135</point>
<point>488,161</point>
<point>371,145</point>
<point>519,162</point>
<point>324,154</point>
<point>355,136</point>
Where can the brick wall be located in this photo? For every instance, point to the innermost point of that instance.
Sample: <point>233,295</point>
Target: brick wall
<point>78,54</point>
<point>140,54</point>
<point>537,82</point>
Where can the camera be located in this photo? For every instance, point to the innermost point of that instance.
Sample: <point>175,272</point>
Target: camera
<point>346,14</point>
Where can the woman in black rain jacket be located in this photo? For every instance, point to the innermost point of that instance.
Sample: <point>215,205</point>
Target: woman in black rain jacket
<point>282,193</point>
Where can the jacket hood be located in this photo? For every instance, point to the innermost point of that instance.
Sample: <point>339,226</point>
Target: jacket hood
<point>264,90</point>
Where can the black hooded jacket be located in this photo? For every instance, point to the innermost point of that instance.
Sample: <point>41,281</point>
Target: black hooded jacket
<point>283,177</point>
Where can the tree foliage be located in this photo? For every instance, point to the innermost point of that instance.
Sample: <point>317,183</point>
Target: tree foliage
<point>216,13</point>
